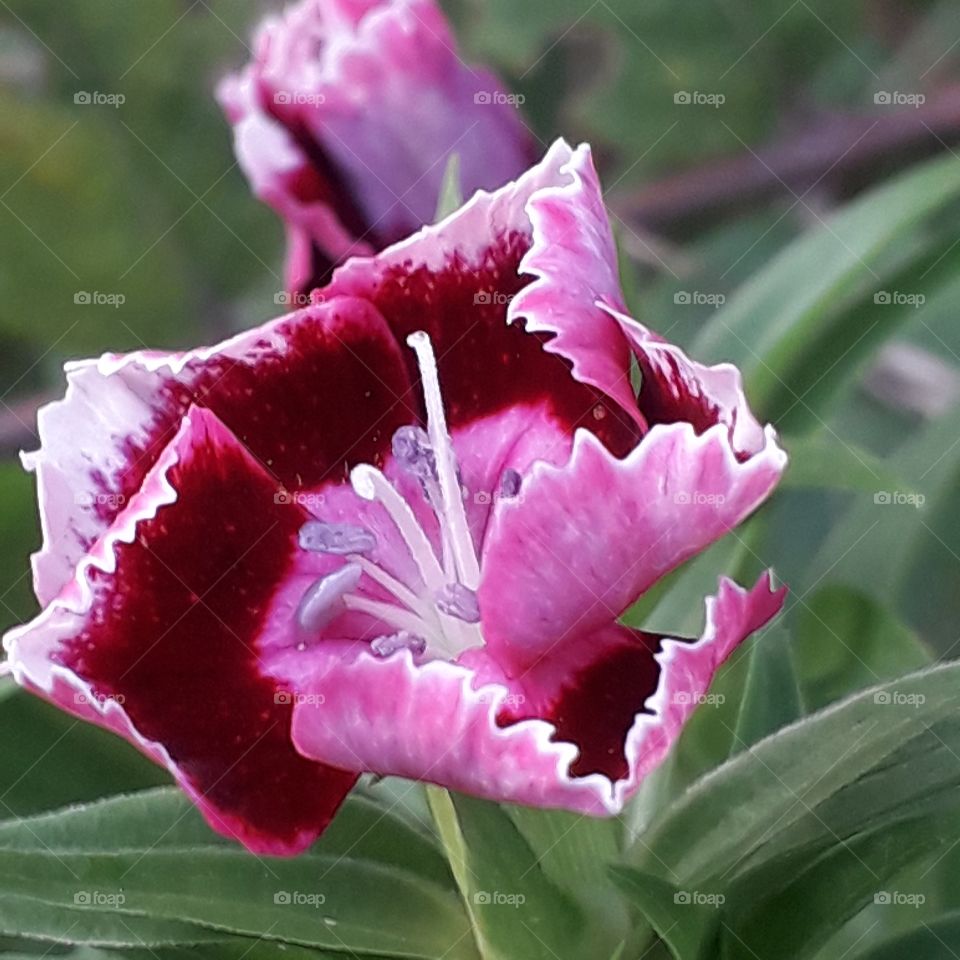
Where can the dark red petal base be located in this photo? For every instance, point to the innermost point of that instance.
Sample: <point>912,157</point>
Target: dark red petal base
<point>596,704</point>
<point>485,365</point>
<point>174,636</point>
<point>324,391</point>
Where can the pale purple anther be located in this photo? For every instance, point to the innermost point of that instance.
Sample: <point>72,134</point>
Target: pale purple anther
<point>324,600</point>
<point>402,640</point>
<point>412,450</point>
<point>340,539</point>
<point>459,601</point>
<point>510,481</point>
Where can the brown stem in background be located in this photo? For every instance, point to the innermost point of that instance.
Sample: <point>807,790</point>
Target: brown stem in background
<point>833,147</point>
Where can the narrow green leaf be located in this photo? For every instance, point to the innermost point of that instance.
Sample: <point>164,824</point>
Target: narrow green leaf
<point>777,796</point>
<point>845,641</point>
<point>685,920</point>
<point>822,460</point>
<point>145,867</point>
<point>515,909</point>
<point>767,916</point>
<point>54,759</point>
<point>937,940</point>
<point>876,546</point>
<point>770,327</point>
<point>771,697</point>
<point>236,948</point>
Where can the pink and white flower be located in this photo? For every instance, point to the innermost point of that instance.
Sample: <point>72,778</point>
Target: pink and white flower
<point>394,531</point>
<point>346,116</point>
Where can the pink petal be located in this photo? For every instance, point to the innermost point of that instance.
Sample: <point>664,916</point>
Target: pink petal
<point>676,388</point>
<point>451,723</point>
<point>160,638</point>
<point>345,119</point>
<point>574,258</point>
<point>587,538</point>
<point>310,395</point>
<point>458,280</point>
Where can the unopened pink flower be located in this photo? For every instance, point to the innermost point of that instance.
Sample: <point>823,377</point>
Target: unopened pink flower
<point>394,531</point>
<point>345,119</point>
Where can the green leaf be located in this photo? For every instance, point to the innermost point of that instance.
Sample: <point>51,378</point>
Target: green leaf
<point>937,940</point>
<point>876,546</point>
<point>53,759</point>
<point>686,921</point>
<point>836,357</point>
<point>823,460</point>
<point>845,641</point>
<point>766,916</point>
<point>146,868</point>
<point>771,698</point>
<point>870,759</point>
<point>775,322</point>
<point>514,907</point>
<point>235,948</point>
<point>574,852</point>
<point>51,917</point>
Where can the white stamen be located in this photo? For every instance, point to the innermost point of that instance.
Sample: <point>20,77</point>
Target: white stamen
<point>402,592</point>
<point>388,613</point>
<point>412,451</point>
<point>370,484</point>
<point>465,557</point>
